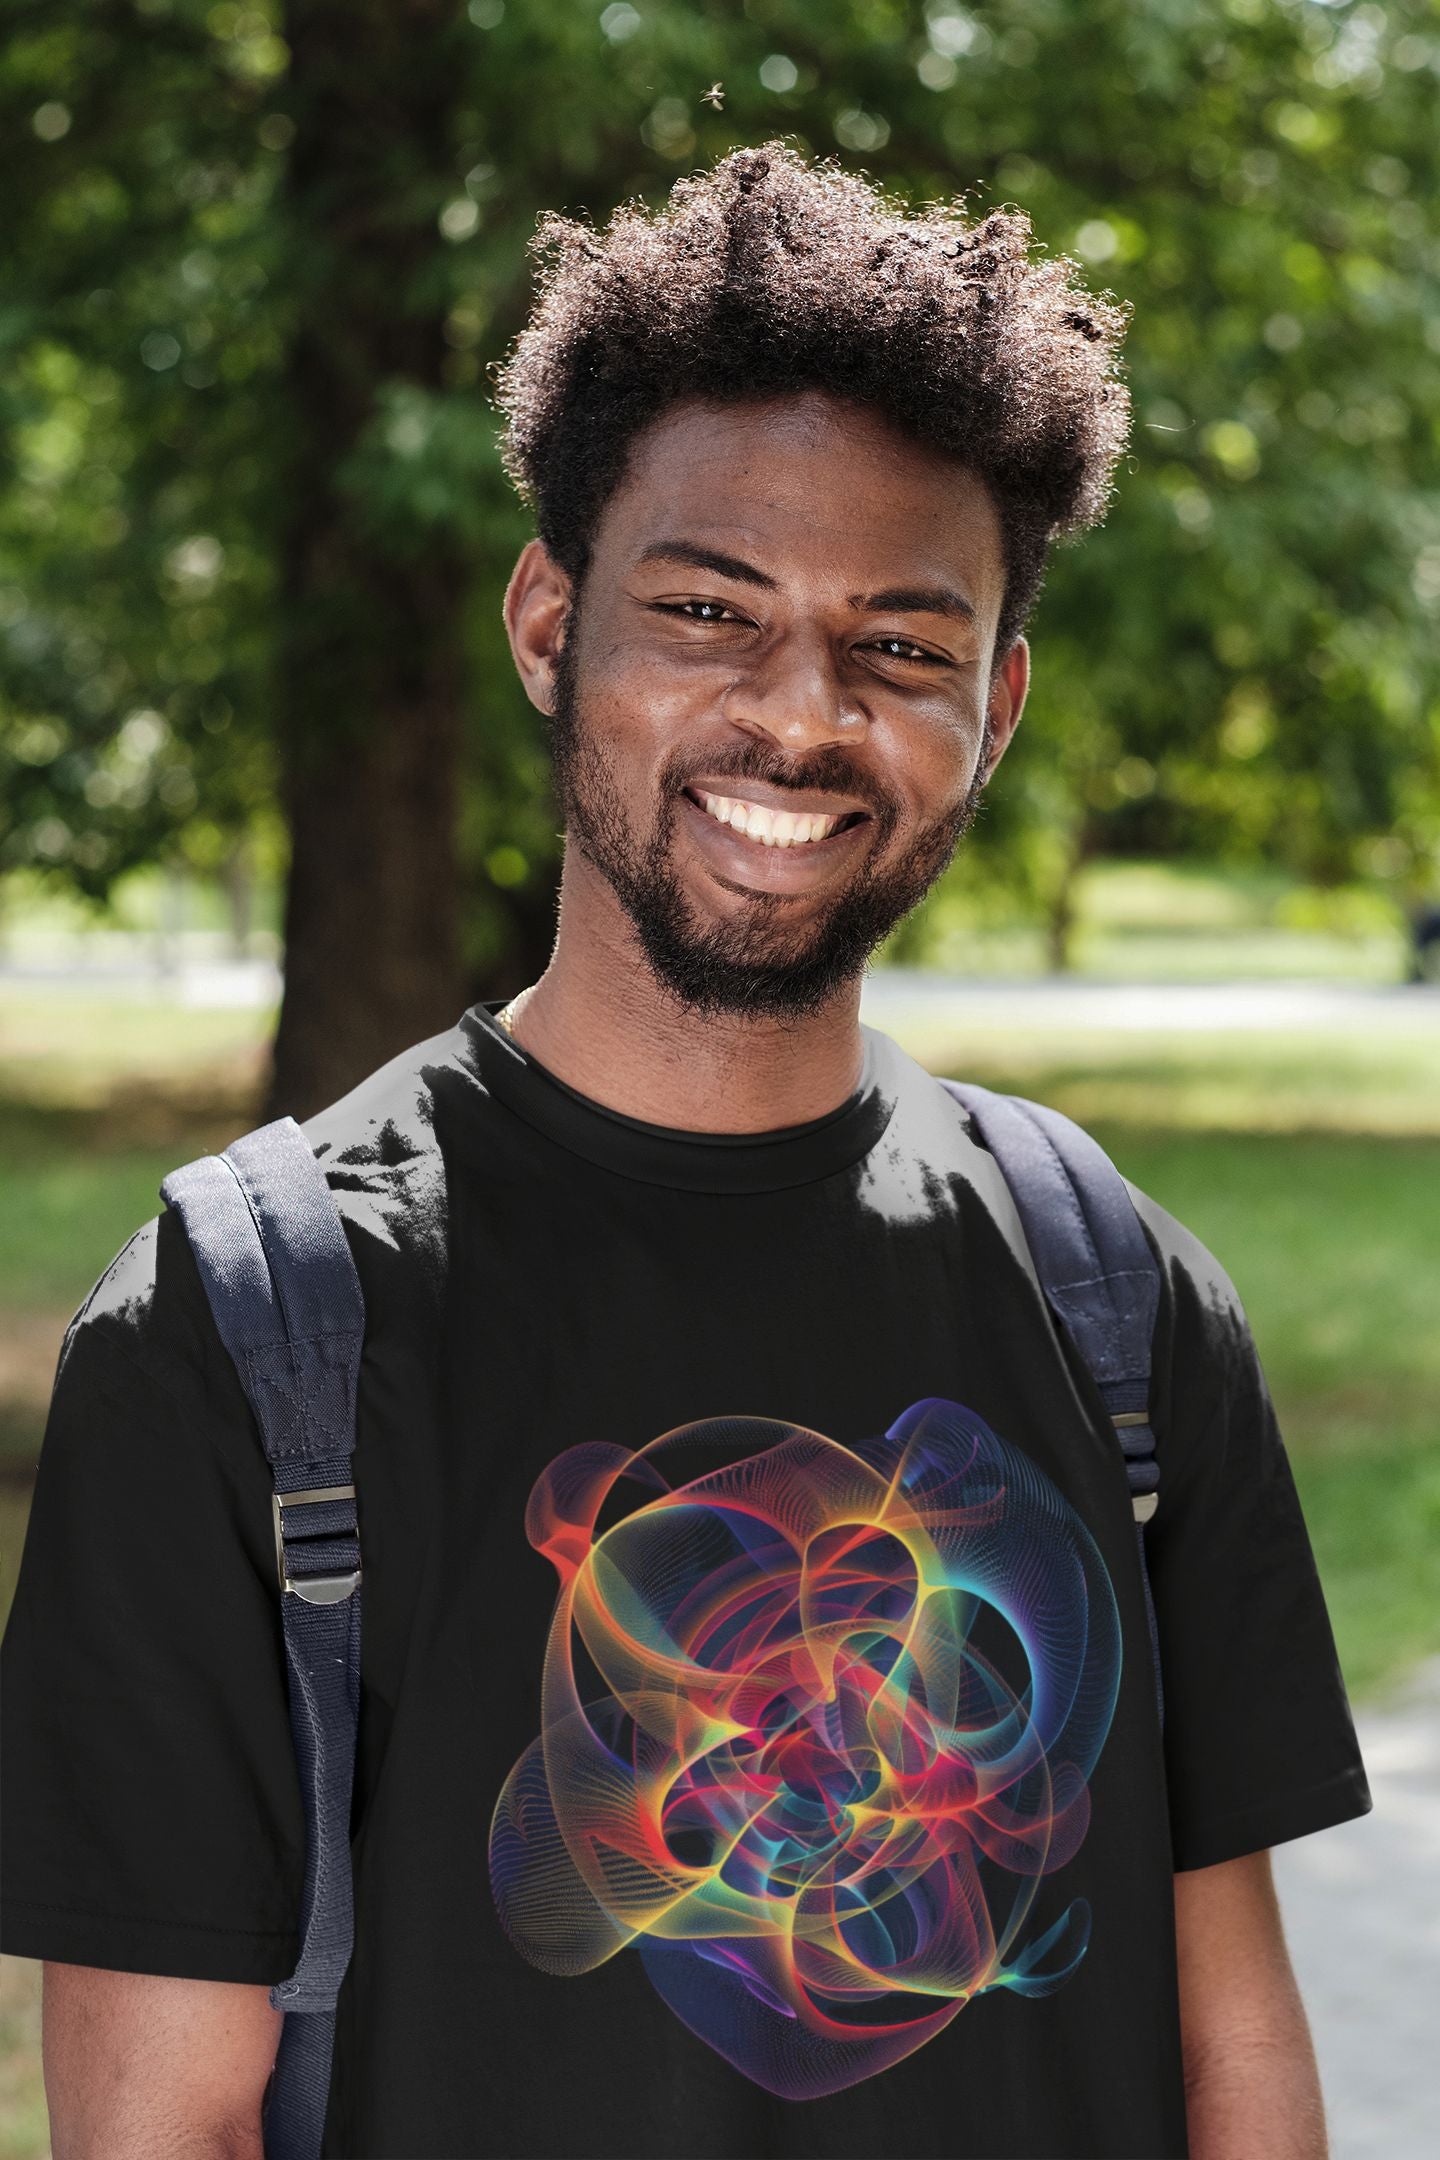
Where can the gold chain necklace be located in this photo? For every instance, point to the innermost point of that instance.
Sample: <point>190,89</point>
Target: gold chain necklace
<point>506,1014</point>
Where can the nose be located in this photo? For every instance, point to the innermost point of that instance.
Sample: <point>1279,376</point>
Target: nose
<point>796,695</point>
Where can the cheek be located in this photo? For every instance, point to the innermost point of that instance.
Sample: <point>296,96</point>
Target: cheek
<point>928,758</point>
<point>642,707</point>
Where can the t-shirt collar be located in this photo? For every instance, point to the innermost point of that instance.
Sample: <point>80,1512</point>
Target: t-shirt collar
<point>724,1162</point>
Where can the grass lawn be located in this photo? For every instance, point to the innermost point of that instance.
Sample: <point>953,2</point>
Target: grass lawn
<point>99,1097</point>
<point>1331,1242</point>
<point>1311,1167</point>
<point>24,2119</point>
<point>1258,1142</point>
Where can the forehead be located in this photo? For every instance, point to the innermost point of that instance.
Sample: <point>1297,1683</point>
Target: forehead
<point>808,483</point>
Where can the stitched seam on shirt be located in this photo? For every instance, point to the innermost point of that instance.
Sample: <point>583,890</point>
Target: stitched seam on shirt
<point>95,1912</point>
<point>1254,1807</point>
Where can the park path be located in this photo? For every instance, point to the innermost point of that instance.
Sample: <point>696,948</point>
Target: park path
<point>917,996</point>
<point>1361,1907</point>
<point>893,997</point>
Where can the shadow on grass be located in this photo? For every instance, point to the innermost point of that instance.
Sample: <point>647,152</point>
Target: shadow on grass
<point>1328,1237</point>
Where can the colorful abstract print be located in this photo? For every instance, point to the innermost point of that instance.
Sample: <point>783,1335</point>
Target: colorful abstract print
<point>776,1752</point>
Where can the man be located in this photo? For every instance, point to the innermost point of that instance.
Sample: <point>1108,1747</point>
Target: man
<point>758,1743</point>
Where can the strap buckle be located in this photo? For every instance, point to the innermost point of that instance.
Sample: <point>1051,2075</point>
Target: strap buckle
<point>1142,1504</point>
<point>313,1589</point>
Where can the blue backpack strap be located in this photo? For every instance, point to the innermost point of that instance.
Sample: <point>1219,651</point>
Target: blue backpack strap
<point>1097,1269</point>
<point>272,1254</point>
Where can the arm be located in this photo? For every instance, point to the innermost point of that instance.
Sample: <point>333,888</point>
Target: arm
<point>1251,2082</point>
<point>138,2067</point>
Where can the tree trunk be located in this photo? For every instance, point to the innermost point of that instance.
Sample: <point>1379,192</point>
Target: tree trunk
<point>371,677</point>
<point>1059,925</point>
<point>372,946</point>
<point>1060,922</point>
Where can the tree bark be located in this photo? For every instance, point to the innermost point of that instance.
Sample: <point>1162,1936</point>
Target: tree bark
<point>372,943</point>
<point>1060,920</point>
<point>370,675</point>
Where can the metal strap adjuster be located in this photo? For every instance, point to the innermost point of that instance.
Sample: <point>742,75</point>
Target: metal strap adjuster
<point>314,1589</point>
<point>1143,1504</point>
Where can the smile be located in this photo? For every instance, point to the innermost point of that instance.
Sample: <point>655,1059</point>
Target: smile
<point>769,827</point>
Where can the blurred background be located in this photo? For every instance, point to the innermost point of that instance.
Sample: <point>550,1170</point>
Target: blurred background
<point>273,807</point>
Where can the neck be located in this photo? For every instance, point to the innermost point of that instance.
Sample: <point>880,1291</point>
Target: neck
<point>598,1019</point>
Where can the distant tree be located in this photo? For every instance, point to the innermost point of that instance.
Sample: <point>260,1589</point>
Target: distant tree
<point>253,533</point>
<point>139,335</point>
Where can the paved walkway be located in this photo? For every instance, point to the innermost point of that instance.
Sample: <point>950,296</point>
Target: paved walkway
<point>1361,1905</point>
<point>917,996</point>
<point>122,966</point>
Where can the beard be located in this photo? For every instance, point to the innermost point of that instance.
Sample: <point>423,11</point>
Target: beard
<point>758,965</point>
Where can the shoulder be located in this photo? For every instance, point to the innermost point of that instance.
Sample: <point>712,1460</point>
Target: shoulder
<point>142,1348</point>
<point>1199,1293</point>
<point>932,1164</point>
<point>1203,1347</point>
<point>1209,1390</point>
<point>381,1147</point>
<point>381,1152</point>
<point>927,1118</point>
<point>1198,1296</point>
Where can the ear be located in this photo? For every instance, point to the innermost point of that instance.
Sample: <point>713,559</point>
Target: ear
<point>537,602</point>
<point>1007,700</point>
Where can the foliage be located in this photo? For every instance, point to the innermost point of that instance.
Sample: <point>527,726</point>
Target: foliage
<point>1242,661</point>
<point>133,526</point>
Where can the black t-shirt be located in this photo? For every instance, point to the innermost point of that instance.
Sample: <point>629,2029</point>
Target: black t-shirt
<point>758,1740</point>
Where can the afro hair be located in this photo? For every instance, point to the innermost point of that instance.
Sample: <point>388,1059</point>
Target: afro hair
<point>767,275</point>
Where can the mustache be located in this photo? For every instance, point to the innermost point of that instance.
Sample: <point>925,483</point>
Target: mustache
<point>828,771</point>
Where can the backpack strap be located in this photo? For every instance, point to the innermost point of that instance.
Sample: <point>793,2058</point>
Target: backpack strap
<point>272,1254</point>
<point>1097,1269</point>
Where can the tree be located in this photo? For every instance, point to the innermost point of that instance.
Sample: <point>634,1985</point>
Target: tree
<point>139,331</point>
<point>253,533</point>
<point>370,681</point>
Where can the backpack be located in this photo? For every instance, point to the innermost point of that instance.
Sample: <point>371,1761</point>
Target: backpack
<point>278,1273</point>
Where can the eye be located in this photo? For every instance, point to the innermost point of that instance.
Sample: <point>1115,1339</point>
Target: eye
<point>898,648</point>
<point>701,611</point>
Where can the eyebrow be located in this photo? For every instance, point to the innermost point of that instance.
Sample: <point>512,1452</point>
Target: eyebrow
<point>703,558</point>
<point>898,599</point>
<point>918,600</point>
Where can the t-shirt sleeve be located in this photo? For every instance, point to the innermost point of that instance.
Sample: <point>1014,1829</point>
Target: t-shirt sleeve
<point>1260,1743</point>
<point>151,1805</point>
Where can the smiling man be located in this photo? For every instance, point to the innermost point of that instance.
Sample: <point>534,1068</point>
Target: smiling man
<point>790,727</point>
<point>759,1751</point>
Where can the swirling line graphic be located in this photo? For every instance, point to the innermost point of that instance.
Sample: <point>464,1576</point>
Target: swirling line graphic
<point>816,1721</point>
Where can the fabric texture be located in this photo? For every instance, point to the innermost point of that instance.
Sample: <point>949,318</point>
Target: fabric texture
<point>758,1739</point>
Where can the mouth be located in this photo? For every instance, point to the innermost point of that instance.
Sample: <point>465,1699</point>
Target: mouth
<point>766,825</point>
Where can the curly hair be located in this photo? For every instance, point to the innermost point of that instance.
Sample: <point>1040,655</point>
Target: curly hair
<point>768,275</point>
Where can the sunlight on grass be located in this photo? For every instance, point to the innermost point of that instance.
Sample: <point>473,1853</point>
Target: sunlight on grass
<point>1308,1163</point>
<point>1237,1080</point>
<point>1331,1243</point>
<point>24,2119</point>
<point>68,1050</point>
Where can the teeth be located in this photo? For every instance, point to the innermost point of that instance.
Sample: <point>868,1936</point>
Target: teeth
<point>772,828</point>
